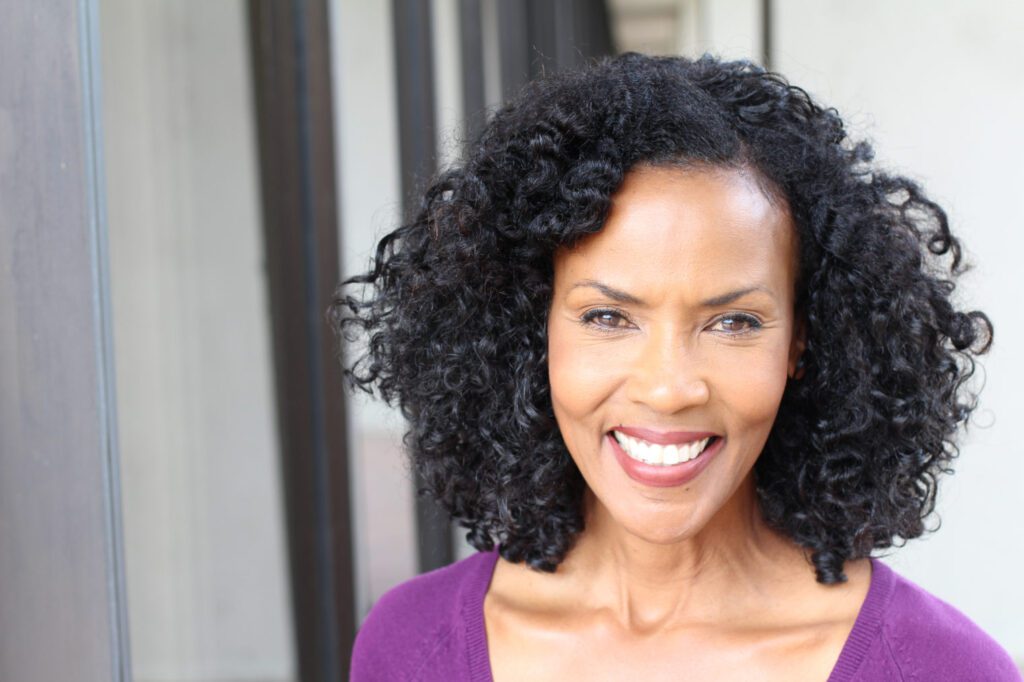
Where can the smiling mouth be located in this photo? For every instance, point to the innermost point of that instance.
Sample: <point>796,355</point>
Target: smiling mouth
<point>662,455</point>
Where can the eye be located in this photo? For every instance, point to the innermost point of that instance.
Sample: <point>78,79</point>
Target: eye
<point>605,319</point>
<point>736,324</point>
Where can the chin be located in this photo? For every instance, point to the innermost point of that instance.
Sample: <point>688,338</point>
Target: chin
<point>661,522</point>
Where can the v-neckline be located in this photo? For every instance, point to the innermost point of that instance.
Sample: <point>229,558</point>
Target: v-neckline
<point>865,627</point>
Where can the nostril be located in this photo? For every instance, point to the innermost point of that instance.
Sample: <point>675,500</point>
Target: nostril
<point>668,392</point>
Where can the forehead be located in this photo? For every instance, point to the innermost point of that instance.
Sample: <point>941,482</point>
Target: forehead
<point>702,228</point>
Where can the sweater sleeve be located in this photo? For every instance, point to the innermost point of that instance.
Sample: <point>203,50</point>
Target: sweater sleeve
<point>378,650</point>
<point>928,639</point>
<point>417,630</point>
<point>404,630</point>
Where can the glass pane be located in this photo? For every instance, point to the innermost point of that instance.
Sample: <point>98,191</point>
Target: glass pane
<point>384,531</point>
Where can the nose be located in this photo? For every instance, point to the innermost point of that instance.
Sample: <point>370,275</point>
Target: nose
<point>666,376</point>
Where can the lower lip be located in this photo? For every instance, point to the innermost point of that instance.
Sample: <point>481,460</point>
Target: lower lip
<point>664,476</point>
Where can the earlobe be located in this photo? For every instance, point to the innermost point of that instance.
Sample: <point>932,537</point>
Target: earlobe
<point>798,371</point>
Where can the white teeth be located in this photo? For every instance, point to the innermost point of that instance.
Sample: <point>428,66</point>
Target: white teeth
<point>652,453</point>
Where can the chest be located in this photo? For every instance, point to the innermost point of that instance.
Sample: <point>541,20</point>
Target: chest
<point>520,651</point>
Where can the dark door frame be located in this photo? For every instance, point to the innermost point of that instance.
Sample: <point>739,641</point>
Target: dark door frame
<point>290,47</point>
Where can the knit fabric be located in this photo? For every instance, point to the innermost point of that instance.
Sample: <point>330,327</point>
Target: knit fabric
<point>431,628</point>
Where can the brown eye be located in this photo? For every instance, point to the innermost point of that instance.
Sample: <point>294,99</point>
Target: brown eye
<point>604,318</point>
<point>737,323</point>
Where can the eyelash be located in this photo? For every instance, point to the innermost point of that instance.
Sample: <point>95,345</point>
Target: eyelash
<point>587,320</point>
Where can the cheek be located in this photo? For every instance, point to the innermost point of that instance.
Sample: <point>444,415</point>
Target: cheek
<point>752,388</point>
<point>578,383</point>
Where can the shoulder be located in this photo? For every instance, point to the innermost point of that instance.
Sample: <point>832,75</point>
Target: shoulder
<point>418,624</point>
<point>928,638</point>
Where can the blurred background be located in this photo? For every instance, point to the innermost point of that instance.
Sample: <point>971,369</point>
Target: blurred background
<point>186,493</point>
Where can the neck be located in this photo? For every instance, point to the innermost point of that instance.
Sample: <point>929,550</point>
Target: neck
<point>729,567</point>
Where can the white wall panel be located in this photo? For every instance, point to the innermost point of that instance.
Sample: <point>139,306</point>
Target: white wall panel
<point>205,545</point>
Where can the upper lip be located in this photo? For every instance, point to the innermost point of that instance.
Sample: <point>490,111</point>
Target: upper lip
<point>664,437</point>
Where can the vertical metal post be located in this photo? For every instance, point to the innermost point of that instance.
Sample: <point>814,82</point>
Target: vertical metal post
<point>544,36</point>
<point>593,30</point>
<point>62,591</point>
<point>514,45</point>
<point>291,62</point>
<point>474,99</point>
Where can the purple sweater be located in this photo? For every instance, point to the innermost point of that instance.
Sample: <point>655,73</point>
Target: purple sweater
<point>432,628</point>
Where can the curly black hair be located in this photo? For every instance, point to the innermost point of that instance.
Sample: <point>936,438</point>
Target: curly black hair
<point>454,306</point>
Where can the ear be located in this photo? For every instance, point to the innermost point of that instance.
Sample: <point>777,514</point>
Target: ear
<point>797,346</point>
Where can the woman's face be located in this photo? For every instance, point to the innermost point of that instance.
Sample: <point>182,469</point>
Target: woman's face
<point>673,325</point>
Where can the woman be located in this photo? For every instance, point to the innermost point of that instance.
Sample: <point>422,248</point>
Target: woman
<point>679,359</point>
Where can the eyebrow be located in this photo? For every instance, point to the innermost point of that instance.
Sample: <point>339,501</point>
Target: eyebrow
<point>624,297</point>
<point>727,298</point>
<point>610,292</point>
